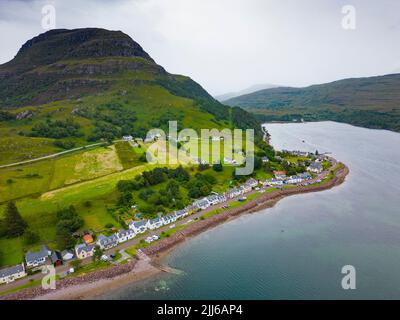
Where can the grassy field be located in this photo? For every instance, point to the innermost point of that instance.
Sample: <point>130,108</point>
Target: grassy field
<point>42,176</point>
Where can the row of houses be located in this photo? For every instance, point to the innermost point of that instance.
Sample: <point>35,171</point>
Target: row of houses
<point>281,179</point>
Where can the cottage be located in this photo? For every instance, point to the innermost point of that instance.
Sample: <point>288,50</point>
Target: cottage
<point>264,159</point>
<point>232,193</point>
<point>155,223</point>
<point>181,213</point>
<point>304,176</point>
<point>252,182</point>
<point>213,199</point>
<point>139,226</point>
<point>170,218</point>
<point>315,167</point>
<point>245,188</point>
<point>106,243</point>
<point>125,235</point>
<point>56,259</point>
<point>275,182</point>
<point>67,255</point>
<point>127,138</point>
<point>294,179</point>
<point>221,198</point>
<point>264,182</point>
<point>201,204</point>
<point>34,259</point>
<point>84,250</point>
<point>10,274</point>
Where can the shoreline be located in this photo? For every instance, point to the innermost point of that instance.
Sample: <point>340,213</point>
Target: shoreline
<point>151,261</point>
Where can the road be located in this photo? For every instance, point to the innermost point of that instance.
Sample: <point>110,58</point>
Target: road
<point>137,239</point>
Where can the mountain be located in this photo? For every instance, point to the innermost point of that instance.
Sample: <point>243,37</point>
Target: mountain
<point>372,102</point>
<point>254,88</point>
<point>67,88</point>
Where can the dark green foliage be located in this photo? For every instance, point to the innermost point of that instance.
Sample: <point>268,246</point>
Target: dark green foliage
<point>56,129</point>
<point>68,221</point>
<point>65,144</point>
<point>6,116</point>
<point>125,199</point>
<point>201,185</point>
<point>98,252</point>
<point>30,238</point>
<point>217,167</point>
<point>15,226</point>
<point>368,102</point>
<point>104,131</point>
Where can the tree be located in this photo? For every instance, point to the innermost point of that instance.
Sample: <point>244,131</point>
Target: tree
<point>31,237</point>
<point>217,167</point>
<point>14,224</point>
<point>98,252</point>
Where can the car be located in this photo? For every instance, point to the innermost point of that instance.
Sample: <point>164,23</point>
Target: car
<point>112,256</point>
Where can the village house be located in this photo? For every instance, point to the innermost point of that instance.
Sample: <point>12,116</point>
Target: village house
<point>232,193</point>
<point>275,182</point>
<point>201,204</point>
<point>67,255</point>
<point>10,274</point>
<point>84,250</point>
<point>139,226</point>
<point>304,176</point>
<point>221,198</point>
<point>170,218</point>
<point>294,179</point>
<point>181,213</point>
<point>127,138</point>
<point>315,167</point>
<point>245,188</point>
<point>252,182</point>
<point>34,259</point>
<point>155,223</point>
<point>125,235</point>
<point>213,199</point>
<point>264,182</point>
<point>264,159</point>
<point>106,243</point>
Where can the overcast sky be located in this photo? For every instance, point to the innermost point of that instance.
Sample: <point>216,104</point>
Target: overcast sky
<point>228,45</point>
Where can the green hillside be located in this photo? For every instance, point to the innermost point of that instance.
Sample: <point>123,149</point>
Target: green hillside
<point>68,88</point>
<point>368,102</point>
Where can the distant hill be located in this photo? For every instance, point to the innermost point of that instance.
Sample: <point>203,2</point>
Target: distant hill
<point>68,88</point>
<point>254,88</point>
<point>372,102</point>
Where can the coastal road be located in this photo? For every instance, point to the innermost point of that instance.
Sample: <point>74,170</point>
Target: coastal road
<point>136,240</point>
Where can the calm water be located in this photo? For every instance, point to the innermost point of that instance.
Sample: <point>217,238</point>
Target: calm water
<point>296,250</point>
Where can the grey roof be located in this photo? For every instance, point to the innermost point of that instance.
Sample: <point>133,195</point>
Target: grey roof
<point>169,217</point>
<point>155,220</point>
<point>63,253</point>
<point>38,255</point>
<point>11,270</point>
<point>105,241</point>
<point>124,233</point>
<point>315,165</point>
<point>84,247</point>
<point>138,224</point>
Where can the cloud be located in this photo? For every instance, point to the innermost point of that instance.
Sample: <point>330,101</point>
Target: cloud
<point>227,45</point>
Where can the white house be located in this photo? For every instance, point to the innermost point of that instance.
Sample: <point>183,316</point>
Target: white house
<point>127,138</point>
<point>232,193</point>
<point>275,182</point>
<point>201,204</point>
<point>315,167</point>
<point>252,182</point>
<point>125,235</point>
<point>84,250</point>
<point>106,243</point>
<point>10,274</point>
<point>294,179</point>
<point>221,198</point>
<point>245,188</point>
<point>139,226</point>
<point>170,218</point>
<point>34,259</point>
<point>181,213</point>
<point>213,199</point>
<point>155,223</point>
